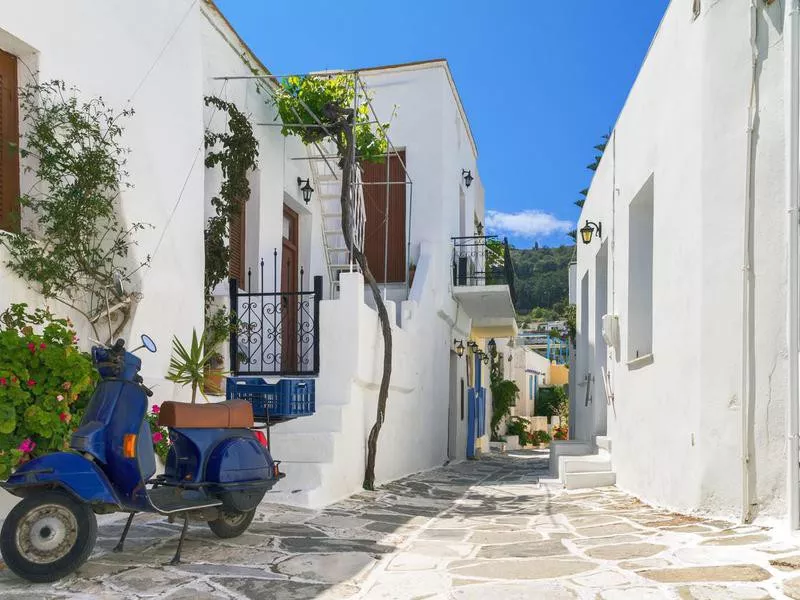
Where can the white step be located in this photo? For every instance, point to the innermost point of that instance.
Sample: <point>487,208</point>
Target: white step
<point>560,448</point>
<point>326,419</point>
<point>603,442</point>
<point>593,479</point>
<point>583,464</point>
<point>301,477</point>
<point>302,447</point>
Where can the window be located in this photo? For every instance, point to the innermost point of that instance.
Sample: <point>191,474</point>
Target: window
<point>9,134</point>
<point>237,245</point>
<point>640,273</point>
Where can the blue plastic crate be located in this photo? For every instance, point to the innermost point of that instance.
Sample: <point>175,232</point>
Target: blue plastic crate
<point>286,399</point>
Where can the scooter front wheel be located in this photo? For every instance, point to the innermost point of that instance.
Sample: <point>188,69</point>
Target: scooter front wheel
<point>47,536</point>
<point>231,523</point>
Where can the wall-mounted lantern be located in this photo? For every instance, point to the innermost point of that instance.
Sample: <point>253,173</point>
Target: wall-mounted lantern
<point>459,344</point>
<point>472,346</point>
<point>306,188</point>
<point>588,229</point>
<point>485,359</point>
<point>509,357</point>
<point>492,345</point>
<point>468,178</point>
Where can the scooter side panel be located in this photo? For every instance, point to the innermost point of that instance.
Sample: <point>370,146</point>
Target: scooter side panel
<point>70,471</point>
<point>237,460</point>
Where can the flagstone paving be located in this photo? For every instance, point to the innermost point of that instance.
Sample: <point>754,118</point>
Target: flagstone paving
<point>476,530</point>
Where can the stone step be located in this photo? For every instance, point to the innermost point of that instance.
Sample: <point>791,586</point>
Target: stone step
<point>593,479</point>
<point>604,442</point>
<point>583,464</point>
<point>315,447</point>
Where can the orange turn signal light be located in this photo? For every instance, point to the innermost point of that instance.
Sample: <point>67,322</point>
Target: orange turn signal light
<point>129,445</point>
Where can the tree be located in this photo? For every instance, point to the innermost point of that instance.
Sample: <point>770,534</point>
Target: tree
<point>330,108</point>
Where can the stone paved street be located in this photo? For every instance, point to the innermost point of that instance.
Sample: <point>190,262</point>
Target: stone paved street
<point>477,530</point>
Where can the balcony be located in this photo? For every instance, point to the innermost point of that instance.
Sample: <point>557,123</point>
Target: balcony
<point>483,283</point>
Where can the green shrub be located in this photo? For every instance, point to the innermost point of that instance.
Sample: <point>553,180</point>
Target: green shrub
<point>45,384</point>
<point>541,437</point>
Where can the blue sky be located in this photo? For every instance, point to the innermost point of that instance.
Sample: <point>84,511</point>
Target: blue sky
<point>541,81</point>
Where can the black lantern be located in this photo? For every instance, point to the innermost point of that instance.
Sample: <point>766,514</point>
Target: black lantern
<point>486,359</point>
<point>306,188</point>
<point>459,344</point>
<point>588,229</point>
<point>467,175</point>
<point>492,345</point>
<point>509,357</point>
<point>472,345</point>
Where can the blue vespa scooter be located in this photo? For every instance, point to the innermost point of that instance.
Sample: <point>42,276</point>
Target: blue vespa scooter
<point>218,470</point>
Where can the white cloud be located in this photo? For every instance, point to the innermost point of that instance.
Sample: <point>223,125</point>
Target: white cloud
<point>526,223</point>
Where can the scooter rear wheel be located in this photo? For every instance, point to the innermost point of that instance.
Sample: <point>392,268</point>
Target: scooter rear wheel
<point>231,523</point>
<point>48,536</point>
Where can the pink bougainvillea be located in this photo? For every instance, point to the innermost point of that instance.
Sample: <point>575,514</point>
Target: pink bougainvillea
<point>157,437</point>
<point>27,445</point>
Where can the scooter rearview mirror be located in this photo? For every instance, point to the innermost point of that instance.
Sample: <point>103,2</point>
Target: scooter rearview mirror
<point>148,343</point>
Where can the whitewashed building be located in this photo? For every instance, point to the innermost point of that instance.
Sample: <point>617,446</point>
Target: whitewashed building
<point>687,292</point>
<point>162,59</point>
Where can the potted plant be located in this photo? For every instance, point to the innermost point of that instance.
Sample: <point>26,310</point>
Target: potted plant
<point>218,328</point>
<point>541,439</point>
<point>412,269</point>
<point>560,433</point>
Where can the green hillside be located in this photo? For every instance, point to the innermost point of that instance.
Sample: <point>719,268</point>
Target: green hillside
<point>542,280</point>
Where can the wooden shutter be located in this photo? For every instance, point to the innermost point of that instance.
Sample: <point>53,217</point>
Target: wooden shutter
<point>237,246</point>
<point>9,134</point>
<point>375,243</point>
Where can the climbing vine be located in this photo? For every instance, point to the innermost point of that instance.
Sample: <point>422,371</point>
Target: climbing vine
<point>321,108</point>
<point>235,152</point>
<point>74,246</point>
<point>304,106</point>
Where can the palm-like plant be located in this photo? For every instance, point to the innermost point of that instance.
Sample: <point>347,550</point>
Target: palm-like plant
<point>188,366</point>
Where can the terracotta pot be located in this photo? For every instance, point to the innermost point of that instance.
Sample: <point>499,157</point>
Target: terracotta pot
<point>214,381</point>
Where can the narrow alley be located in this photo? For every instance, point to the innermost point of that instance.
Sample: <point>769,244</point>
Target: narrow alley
<point>478,529</point>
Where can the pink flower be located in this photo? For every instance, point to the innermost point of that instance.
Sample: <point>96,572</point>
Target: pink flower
<point>2,381</point>
<point>42,346</point>
<point>156,409</point>
<point>65,417</point>
<point>157,437</point>
<point>75,339</point>
<point>31,383</point>
<point>27,445</point>
<point>60,398</point>
<point>32,347</point>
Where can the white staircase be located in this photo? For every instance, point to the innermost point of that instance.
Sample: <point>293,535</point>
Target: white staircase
<point>576,468</point>
<point>327,178</point>
<point>319,458</point>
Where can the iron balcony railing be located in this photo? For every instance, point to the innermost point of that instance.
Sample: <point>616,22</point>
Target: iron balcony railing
<point>483,260</point>
<point>274,333</point>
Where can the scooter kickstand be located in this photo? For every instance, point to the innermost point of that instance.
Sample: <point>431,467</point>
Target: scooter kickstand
<point>176,560</point>
<point>121,543</point>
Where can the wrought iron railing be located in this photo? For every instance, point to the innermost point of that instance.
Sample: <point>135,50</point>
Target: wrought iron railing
<point>274,333</point>
<point>483,260</point>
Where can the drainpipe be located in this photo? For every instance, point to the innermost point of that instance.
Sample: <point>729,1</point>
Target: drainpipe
<point>747,279</point>
<point>792,78</point>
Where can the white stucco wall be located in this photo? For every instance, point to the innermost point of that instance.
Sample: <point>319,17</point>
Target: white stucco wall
<point>676,420</point>
<point>163,135</point>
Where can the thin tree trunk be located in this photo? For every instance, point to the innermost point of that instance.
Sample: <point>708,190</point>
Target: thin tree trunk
<point>345,149</point>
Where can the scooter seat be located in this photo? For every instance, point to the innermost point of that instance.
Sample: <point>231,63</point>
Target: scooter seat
<point>233,414</point>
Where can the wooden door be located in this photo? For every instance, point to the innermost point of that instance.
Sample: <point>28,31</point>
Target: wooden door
<point>9,134</point>
<point>289,304</point>
<point>376,245</point>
